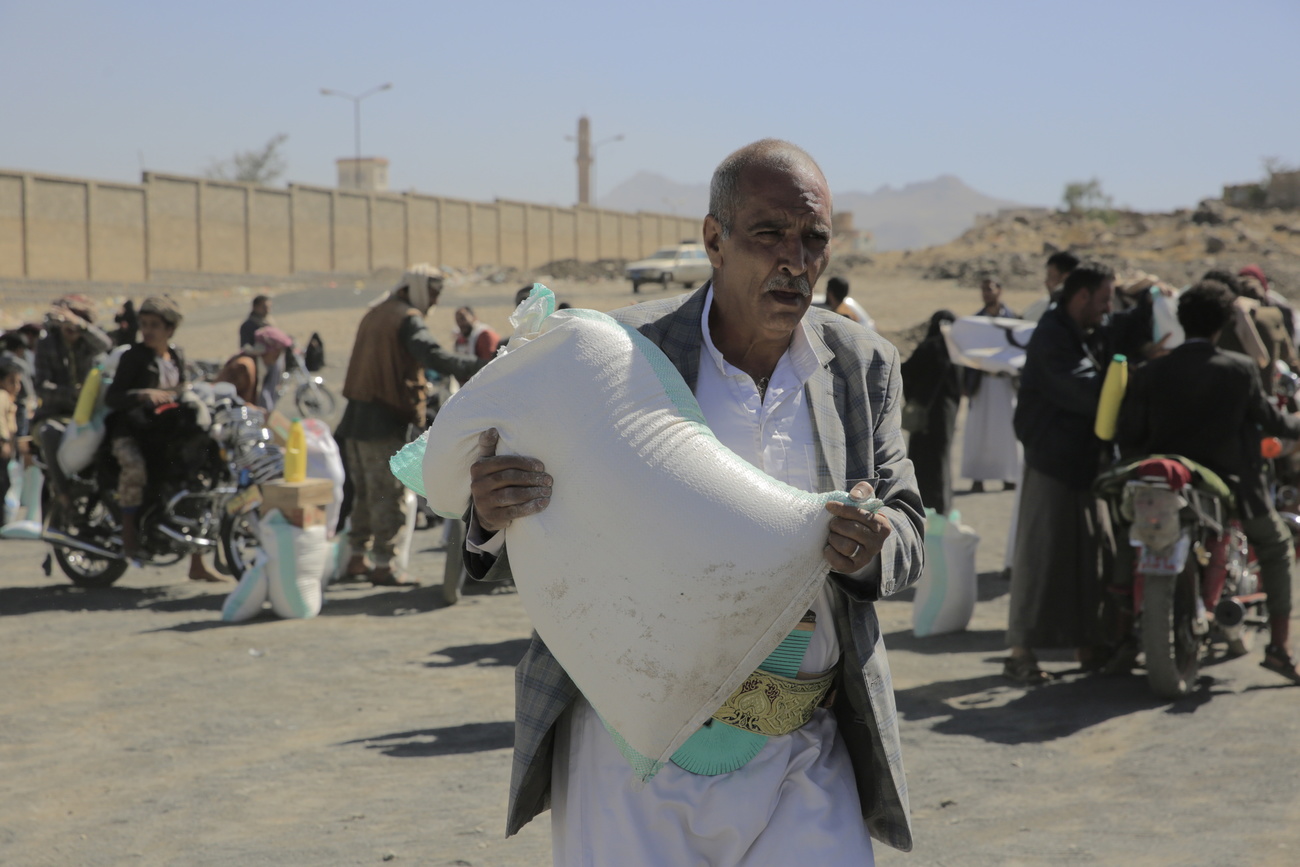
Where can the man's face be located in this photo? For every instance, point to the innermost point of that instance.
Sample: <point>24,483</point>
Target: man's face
<point>778,247</point>
<point>1097,305</point>
<point>464,322</point>
<point>11,383</point>
<point>435,289</point>
<point>1054,277</point>
<point>1251,286</point>
<point>262,309</point>
<point>154,331</point>
<point>990,292</point>
<point>71,333</point>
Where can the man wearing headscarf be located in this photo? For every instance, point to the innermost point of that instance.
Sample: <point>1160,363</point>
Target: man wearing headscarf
<point>385,388</point>
<point>64,357</point>
<point>255,370</point>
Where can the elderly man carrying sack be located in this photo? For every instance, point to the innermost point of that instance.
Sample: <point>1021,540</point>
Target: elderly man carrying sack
<point>813,400</point>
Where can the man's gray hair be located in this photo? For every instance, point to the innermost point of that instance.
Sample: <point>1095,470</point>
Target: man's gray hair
<point>724,189</point>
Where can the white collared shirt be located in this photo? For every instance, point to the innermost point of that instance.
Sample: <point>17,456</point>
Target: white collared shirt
<point>774,433</point>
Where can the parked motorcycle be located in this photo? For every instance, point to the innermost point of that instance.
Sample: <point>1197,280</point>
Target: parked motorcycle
<point>206,453</point>
<point>311,395</point>
<point>1194,584</point>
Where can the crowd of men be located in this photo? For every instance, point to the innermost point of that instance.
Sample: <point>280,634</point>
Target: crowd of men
<point>1205,400</point>
<point>813,398</point>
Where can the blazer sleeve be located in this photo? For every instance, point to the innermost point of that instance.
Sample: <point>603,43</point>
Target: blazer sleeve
<point>902,558</point>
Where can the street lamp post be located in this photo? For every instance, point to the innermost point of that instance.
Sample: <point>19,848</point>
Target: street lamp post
<point>356,105</point>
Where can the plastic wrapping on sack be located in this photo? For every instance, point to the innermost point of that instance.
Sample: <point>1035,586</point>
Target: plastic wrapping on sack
<point>623,575</point>
<point>29,507</point>
<point>296,559</point>
<point>945,596</point>
<point>251,594</point>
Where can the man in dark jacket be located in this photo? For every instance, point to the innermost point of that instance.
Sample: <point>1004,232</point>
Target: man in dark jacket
<point>1206,404</point>
<point>385,388</point>
<point>1055,583</point>
<point>64,357</point>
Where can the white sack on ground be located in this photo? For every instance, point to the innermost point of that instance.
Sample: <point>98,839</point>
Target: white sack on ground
<point>945,596</point>
<point>666,568</point>
<point>297,558</point>
<point>988,343</point>
<point>250,594</point>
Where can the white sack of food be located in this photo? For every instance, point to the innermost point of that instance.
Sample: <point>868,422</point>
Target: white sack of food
<point>665,568</point>
<point>946,593</point>
<point>325,462</point>
<point>297,558</point>
<point>250,595</point>
<point>992,344</point>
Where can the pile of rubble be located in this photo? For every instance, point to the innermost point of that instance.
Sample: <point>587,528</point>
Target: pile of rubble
<point>572,269</point>
<point>1177,246</point>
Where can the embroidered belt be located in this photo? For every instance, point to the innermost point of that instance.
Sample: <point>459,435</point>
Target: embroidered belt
<point>772,705</point>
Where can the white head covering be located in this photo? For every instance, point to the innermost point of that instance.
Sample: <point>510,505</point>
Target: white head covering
<point>416,282</point>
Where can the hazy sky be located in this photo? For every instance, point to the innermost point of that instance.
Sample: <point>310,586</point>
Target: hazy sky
<point>1163,101</point>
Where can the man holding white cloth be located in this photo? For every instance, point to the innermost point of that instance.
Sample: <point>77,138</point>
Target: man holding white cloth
<point>812,400</point>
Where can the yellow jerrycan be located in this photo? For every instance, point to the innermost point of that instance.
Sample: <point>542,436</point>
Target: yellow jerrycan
<point>1112,395</point>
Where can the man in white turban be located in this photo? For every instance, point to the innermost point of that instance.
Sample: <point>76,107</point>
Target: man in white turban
<point>385,388</point>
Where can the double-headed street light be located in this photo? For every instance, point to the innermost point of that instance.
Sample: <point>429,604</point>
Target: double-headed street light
<point>356,104</point>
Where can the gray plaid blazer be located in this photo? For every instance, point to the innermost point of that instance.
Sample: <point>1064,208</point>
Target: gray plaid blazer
<point>856,400</point>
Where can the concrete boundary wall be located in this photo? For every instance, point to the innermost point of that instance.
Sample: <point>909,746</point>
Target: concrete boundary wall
<point>62,228</point>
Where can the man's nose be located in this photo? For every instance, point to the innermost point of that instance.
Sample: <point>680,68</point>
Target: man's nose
<point>794,256</point>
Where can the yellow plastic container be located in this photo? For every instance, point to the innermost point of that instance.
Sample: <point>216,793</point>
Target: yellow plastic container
<point>1112,395</point>
<point>295,453</point>
<point>89,394</point>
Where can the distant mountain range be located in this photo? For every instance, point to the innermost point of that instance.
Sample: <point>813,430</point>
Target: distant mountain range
<point>917,215</point>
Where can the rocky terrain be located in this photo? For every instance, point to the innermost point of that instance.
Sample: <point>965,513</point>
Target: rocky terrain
<point>1178,247</point>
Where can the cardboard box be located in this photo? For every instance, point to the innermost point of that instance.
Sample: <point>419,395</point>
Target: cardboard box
<point>287,496</point>
<point>307,516</point>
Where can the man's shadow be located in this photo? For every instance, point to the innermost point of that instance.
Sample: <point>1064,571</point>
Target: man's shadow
<point>993,709</point>
<point>448,741</point>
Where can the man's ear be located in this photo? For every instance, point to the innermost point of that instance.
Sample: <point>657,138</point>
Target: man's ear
<point>713,240</point>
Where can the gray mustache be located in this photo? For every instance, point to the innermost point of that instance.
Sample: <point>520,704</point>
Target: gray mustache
<point>797,283</point>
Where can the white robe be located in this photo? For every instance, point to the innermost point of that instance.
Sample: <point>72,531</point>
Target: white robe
<point>990,449</point>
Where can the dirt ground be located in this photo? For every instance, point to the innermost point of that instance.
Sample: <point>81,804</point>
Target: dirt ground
<point>136,728</point>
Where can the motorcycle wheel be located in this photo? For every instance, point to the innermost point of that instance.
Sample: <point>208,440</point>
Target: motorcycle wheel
<point>87,570</point>
<point>314,400</point>
<point>1169,640</point>
<point>83,569</point>
<point>239,542</point>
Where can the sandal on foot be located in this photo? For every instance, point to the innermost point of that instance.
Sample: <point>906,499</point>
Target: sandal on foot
<point>385,577</point>
<point>1024,671</point>
<point>1279,661</point>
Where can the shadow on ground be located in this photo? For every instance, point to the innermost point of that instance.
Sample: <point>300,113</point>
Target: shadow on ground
<point>452,740</point>
<point>992,709</point>
<point>68,597</point>
<point>501,653</point>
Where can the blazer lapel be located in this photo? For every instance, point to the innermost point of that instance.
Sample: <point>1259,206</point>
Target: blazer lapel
<point>683,338</point>
<point>827,425</point>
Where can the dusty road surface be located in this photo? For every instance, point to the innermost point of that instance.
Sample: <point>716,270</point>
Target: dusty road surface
<point>136,728</point>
